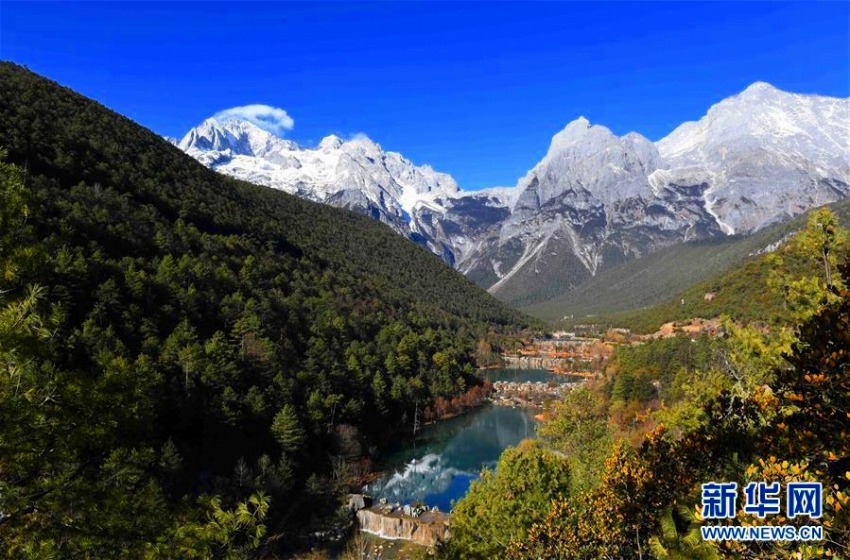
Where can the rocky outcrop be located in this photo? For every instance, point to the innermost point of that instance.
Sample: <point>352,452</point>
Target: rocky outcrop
<point>388,522</point>
<point>356,502</point>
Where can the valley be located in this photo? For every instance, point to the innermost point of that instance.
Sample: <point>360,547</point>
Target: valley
<point>597,207</point>
<point>237,346</point>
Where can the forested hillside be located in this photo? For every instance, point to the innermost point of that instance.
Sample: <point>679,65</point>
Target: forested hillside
<point>764,400</point>
<point>673,283</point>
<point>620,293</point>
<point>168,334</point>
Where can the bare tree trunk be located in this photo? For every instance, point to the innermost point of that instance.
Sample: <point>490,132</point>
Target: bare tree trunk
<point>827,267</point>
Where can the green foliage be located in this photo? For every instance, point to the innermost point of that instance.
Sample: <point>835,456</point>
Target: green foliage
<point>816,389</point>
<point>817,249</point>
<point>674,545</point>
<point>767,402</point>
<point>194,335</point>
<point>287,430</point>
<point>811,429</point>
<point>685,411</point>
<point>70,486</point>
<point>503,505</point>
<point>579,430</point>
<point>18,254</point>
<point>659,361</point>
<point>225,534</point>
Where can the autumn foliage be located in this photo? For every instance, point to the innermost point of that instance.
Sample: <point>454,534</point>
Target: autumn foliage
<point>767,402</point>
<point>445,407</point>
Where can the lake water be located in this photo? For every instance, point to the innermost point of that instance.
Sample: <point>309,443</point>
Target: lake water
<point>447,456</point>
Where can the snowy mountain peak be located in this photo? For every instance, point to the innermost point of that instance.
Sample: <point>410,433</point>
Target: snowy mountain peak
<point>355,174</point>
<point>331,142</point>
<point>761,88</point>
<point>575,132</point>
<point>213,141</point>
<point>209,135</point>
<point>579,123</point>
<point>765,118</point>
<point>766,154</point>
<point>365,144</point>
<point>590,162</point>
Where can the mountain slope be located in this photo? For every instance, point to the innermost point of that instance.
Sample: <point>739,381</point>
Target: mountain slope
<point>343,239</point>
<point>202,335</point>
<point>596,200</point>
<point>593,202</point>
<point>645,292</point>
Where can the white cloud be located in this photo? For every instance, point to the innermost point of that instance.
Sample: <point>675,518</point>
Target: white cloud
<point>272,119</point>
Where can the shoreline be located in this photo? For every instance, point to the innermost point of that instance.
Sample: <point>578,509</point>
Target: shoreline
<point>373,475</point>
<point>492,399</point>
<point>459,413</point>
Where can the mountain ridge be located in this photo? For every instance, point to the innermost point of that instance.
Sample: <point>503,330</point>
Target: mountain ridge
<point>595,199</point>
<point>656,279</point>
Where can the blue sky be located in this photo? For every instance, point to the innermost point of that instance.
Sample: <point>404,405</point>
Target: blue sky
<point>475,89</point>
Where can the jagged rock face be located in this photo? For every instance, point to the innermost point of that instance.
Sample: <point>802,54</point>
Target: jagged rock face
<point>588,163</point>
<point>462,223</point>
<point>355,174</point>
<point>766,155</point>
<point>594,200</point>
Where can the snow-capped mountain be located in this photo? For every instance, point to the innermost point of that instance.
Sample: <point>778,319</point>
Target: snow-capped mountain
<point>594,200</point>
<point>356,174</point>
<point>766,155</point>
<point>588,203</point>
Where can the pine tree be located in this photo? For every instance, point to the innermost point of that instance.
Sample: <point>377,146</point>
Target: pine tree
<point>287,430</point>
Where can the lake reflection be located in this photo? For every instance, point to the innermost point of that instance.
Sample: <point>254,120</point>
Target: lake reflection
<point>449,455</point>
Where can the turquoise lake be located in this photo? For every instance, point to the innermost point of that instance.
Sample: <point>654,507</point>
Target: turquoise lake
<point>446,457</point>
